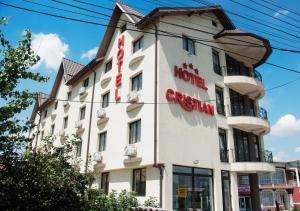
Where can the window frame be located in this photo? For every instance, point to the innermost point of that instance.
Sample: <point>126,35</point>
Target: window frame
<point>186,42</point>
<point>264,196</point>
<point>101,142</point>
<point>105,102</point>
<point>139,83</point>
<point>225,178</point>
<point>108,64</point>
<point>220,97</point>
<point>85,82</point>
<point>105,183</point>
<point>223,149</point>
<point>141,184</point>
<point>82,114</point>
<point>65,122</point>
<point>137,131</point>
<point>214,55</point>
<point>140,42</point>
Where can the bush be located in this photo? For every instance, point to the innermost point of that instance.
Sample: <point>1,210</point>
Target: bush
<point>151,202</point>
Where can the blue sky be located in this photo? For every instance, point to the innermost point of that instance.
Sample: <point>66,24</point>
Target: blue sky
<point>78,42</point>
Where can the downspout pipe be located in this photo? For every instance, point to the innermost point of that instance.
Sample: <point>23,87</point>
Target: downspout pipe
<point>90,123</point>
<point>160,167</point>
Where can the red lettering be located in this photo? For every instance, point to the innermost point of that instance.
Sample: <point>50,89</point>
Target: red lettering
<point>117,97</point>
<point>170,94</point>
<point>177,72</point>
<point>120,54</point>
<point>121,42</point>
<point>119,80</point>
<point>186,75</point>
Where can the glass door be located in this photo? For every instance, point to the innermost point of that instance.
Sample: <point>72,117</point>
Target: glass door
<point>245,203</point>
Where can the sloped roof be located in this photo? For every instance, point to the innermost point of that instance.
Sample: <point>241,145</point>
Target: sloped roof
<point>132,13</point>
<point>71,68</point>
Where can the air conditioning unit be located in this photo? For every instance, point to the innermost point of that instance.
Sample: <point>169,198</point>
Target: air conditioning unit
<point>82,90</point>
<point>130,150</point>
<point>97,156</point>
<point>78,124</point>
<point>101,113</point>
<point>61,133</point>
<point>133,97</point>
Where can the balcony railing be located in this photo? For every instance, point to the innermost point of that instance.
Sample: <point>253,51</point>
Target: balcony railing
<point>247,111</point>
<point>265,156</point>
<point>262,113</point>
<point>229,71</point>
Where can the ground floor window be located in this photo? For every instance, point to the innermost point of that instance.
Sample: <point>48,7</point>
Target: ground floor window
<point>226,190</point>
<point>105,182</point>
<point>267,198</point>
<point>139,181</point>
<point>192,188</point>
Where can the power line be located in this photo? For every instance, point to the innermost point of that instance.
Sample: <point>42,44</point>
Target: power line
<point>65,10</point>
<point>252,44</point>
<point>266,14</point>
<point>99,24</point>
<point>258,22</point>
<point>281,7</point>
<point>273,10</point>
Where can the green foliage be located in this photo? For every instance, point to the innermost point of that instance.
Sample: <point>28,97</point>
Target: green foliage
<point>296,209</point>
<point>151,202</point>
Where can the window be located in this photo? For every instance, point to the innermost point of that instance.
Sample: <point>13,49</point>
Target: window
<point>279,177</point>
<point>138,44</point>
<point>123,28</point>
<point>102,141</point>
<point>226,191</point>
<point>216,62</point>
<point>241,140</point>
<point>45,113</point>
<point>42,134</point>
<point>78,148</point>
<point>220,100</point>
<point>52,129</point>
<point>69,95</point>
<point>214,23</point>
<point>82,113</point>
<point>265,179</point>
<point>55,105</point>
<point>105,100</point>
<point>192,189</point>
<point>65,124</point>
<point>223,145</point>
<point>235,67</point>
<point>267,198</point>
<point>135,132</point>
<point>86,83</point>
<point>188,45</point>
<point>108,66</point>
<point>136,82</point>
<point>241,105</point>
<point>105,182</point>
<point>139,181</point>
<point>282,197</point>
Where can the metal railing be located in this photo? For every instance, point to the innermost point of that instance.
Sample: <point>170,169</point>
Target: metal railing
<point>248,111</point>
<point>262,113</point>
<point>265,156</point>
<point>229,71</point>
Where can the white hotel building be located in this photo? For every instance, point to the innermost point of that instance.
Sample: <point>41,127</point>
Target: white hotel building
<point>166,110</point>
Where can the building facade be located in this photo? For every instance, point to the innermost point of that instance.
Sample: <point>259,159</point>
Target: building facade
<point>168,108</point>
<point>282,186</point>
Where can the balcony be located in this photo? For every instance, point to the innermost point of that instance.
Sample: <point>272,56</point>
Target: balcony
<point>251,121</point>
<point>245,82</point>
<point>263,164</point>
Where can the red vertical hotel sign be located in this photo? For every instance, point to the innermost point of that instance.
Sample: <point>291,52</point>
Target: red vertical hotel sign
<point>120,56</point>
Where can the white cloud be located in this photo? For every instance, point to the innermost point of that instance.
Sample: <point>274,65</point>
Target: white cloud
<point>280,156</point>
<point>287,125</point>
<point>281,12</point>
<point>50,48</point>
<point>90,53</point>
<point>297,149</point>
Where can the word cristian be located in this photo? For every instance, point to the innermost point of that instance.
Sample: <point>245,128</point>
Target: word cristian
<point>189,77</point>
<point>188,103</point>
<point>120,56</point>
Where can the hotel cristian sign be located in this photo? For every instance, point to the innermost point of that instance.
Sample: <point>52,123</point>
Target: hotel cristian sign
<point>186,102</point>
<point>120,56</point>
